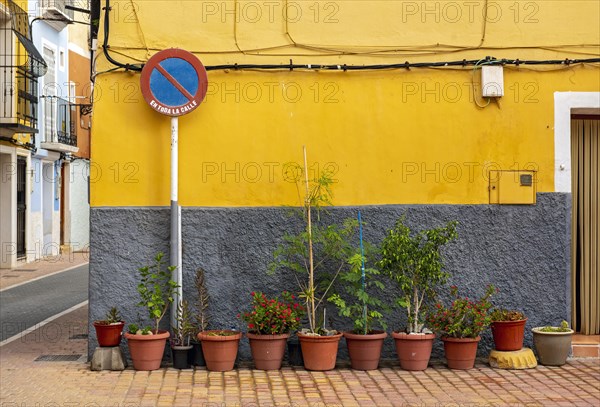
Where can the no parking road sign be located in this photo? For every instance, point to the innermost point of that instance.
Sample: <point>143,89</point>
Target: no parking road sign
<point>174,82</point>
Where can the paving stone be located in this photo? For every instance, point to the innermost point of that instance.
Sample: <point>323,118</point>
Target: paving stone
<point>24,382</point>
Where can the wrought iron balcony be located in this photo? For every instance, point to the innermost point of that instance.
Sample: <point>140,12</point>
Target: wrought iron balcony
<point>20,66</point>
<point>60,125</point>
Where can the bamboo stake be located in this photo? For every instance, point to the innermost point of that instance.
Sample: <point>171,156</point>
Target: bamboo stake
<point>311,288</point>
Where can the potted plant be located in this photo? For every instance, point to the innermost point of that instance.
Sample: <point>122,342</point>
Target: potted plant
<point>156,289</point>
<point>414,262</point>
<point>364,343</point>
<point>220,348</point>
<point>110,329</point>
<point>553,343</point>
<point>180,343</point>
<point>316,255</point>
<point>460,325</point>
<point>202,318</point>
<point>508,329</point>
<point>269,324</point>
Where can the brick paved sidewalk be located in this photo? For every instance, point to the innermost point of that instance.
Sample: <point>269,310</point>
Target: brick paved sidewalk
<point>25,382</point>
<point>43,267</point>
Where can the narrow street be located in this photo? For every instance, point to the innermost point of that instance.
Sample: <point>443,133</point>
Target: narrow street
<point>26,305</point>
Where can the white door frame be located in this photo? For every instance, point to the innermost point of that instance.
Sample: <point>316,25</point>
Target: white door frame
<point>564,103</point>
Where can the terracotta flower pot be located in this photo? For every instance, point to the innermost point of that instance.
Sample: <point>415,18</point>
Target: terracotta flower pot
<point>109,335</point>
<point>365,350</point>
<point>552,347</point>
<point>267,350</point>
<point>414,351</point>
<point>219,351</point>
<point>461,352</point>
<point>508,335</point>
<point>319,352</point>
<point>147,350</point>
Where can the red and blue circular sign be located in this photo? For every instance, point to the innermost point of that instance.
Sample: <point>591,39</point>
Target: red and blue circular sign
<point>174,82</point>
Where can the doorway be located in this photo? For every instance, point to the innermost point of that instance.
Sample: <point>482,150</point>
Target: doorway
<point>585,223</point>
<point>21,206</point>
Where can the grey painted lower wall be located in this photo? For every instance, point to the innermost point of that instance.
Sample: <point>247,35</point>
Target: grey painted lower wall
<point>523,250</point>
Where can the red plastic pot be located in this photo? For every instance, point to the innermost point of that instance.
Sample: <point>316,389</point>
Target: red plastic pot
<point>508,335</point>
<point>219,351</point>
<point>147,350</point>
<point>109,335</point>
<point>414,351</point>
<point>267,350</point>
<point>319,352</point>
<point>461,352</point>
<point>365,350</point>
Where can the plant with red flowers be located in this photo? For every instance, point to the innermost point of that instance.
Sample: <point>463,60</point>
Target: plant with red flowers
<point>273,316</point>
<point>465,318</point>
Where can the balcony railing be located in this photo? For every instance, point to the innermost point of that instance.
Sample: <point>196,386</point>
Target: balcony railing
<point>60,130</point>
<point>20,66</point>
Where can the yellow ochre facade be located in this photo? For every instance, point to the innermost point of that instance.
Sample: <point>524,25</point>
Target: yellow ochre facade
<point>395,136</point>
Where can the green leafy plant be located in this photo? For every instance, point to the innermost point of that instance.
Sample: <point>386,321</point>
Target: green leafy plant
<point>134,329</point>
<point>364,309</point>
<point>414,262</point>
<point>319,252</point>
<point>502,314</point>
<point>221,333</point>
<point>273,316</point>
<point>464,318</point>
<point>564,327</point>
<point>185,327</point>
<point>156,289</point>
<point>112,317</point>
<point>202,300</point>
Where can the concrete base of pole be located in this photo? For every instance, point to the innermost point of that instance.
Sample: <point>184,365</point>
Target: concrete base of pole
<point>110,358</point>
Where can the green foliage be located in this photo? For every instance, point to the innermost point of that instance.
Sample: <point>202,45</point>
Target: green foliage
<point>113,316</point>
<point>186,328</point>
<point>331,251</point>
<point>414,262</point>
<point>133,328</point>
<point>273,316</point>
<point>222,333</point>
<point>202,317</point>
<point>502,314</point>
<point>463,318</point>
<point>156,289</point>
<point>318,253</point>
<point>564,327</point>
<point>364,308</point>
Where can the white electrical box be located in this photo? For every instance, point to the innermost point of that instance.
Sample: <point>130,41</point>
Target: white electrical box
<point>492,81</point>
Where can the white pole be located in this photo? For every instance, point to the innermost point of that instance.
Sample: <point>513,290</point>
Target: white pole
<point>175,221</point>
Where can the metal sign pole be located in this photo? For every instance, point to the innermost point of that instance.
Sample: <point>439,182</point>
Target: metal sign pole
<point>174,83</point>
<point>175,221</point>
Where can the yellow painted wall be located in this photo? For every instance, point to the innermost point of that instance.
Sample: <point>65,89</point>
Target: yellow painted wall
<point>390,136</point>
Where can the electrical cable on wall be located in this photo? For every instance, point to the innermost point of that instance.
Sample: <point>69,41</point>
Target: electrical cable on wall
<point>137,67</point>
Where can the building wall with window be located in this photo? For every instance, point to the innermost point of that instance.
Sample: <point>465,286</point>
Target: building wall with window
<point>21,64</point>
<point>76,226</point>
<point>419,140</point>
<point>48,160</point>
